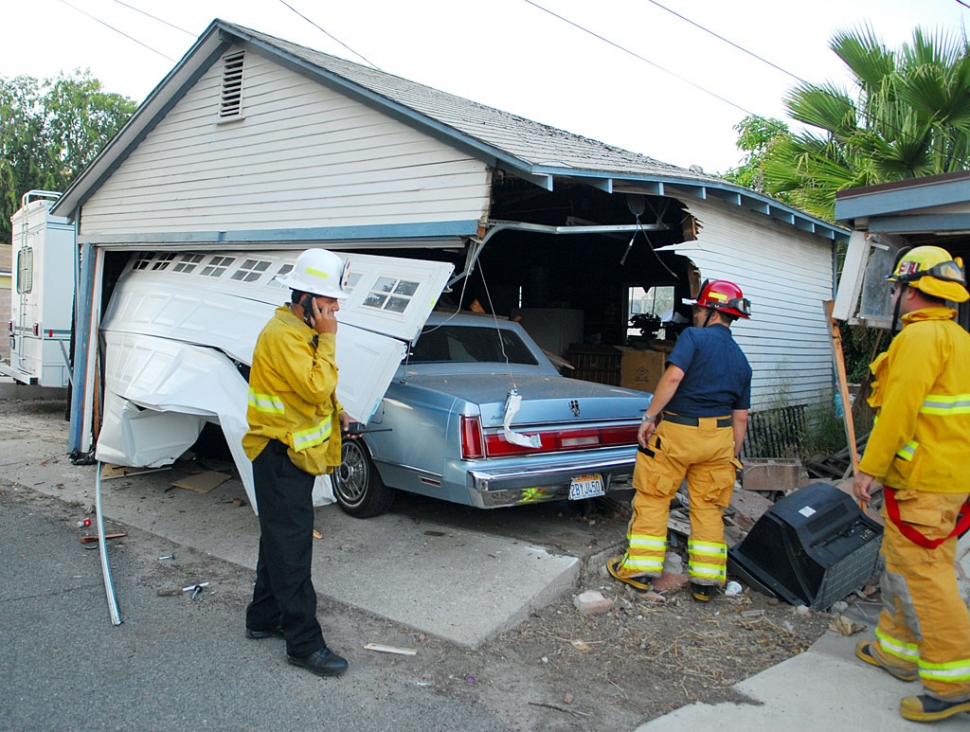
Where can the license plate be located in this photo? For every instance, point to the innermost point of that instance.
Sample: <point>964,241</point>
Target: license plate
<point>586,486</point>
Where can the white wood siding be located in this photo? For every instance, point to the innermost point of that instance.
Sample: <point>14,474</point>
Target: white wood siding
<point>302,156</point>
<point>786,274</point>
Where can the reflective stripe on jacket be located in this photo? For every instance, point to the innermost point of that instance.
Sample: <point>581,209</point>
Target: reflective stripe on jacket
<point>292,394</point>
<point>921,438</point>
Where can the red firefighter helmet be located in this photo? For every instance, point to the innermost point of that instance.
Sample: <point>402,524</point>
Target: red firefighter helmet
<point>725,297</point>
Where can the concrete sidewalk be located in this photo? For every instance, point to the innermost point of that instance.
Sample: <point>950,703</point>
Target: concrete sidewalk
<point>826,688</point>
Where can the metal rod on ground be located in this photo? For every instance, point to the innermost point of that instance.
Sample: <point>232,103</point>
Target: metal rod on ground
<point>103,548</point>
<point>836,337</point>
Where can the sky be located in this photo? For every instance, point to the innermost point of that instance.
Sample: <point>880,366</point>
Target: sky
<point>648,80</point>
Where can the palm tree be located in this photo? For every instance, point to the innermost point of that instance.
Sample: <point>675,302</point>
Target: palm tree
<point>908,116</point>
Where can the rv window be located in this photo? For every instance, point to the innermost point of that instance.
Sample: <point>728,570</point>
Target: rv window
<point>25,270</point>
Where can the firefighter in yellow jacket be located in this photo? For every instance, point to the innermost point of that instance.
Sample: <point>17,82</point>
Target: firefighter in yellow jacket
<point>294,435</point>
<point>919,449</point>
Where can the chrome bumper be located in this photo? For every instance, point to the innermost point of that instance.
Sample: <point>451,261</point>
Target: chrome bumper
<point>495,488</point>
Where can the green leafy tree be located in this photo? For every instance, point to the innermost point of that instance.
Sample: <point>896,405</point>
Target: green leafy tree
<point>49,131</point>
<point>908,116</point>
<point>757,137</point>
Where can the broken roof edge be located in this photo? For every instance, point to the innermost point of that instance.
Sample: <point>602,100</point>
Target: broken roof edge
<point>720,190</point>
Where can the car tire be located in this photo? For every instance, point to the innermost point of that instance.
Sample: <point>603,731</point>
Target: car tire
<point>357,486</point>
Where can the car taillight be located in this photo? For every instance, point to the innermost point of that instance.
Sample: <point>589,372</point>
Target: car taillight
<point>472,445</point>
<point>615,436</point>
<point>578,439</point>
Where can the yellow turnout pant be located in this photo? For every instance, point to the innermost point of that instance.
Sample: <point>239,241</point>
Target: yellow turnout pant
<point>705,456</point>
<point>925,624</point>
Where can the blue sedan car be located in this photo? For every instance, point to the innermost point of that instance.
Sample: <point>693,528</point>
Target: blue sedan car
<point>478,415</point>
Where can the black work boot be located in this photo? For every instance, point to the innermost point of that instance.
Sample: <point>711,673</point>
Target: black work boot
<point>322,662</point>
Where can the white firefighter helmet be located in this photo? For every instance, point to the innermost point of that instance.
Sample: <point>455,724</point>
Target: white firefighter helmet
<point>318,272</point>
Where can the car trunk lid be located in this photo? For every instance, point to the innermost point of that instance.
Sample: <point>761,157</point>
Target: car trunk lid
<point>545,399</point>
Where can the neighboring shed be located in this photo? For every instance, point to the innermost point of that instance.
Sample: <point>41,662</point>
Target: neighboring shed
<point>254,143</point>
<point>930,210</point>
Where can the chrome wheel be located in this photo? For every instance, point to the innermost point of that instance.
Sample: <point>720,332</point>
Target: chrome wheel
<point>356,484</point>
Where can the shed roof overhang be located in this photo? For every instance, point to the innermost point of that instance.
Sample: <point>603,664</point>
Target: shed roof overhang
<point>937,204</point>
<point>929,210</point>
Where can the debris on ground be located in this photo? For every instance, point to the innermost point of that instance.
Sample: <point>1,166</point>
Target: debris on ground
<point>390,649</point>
<point>94,539</point>
<point>592,602</point>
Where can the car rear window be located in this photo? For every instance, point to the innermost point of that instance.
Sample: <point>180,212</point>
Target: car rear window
<point>466,344</point>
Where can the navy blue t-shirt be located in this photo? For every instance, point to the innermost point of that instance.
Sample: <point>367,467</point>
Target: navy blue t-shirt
<point>717,376</point>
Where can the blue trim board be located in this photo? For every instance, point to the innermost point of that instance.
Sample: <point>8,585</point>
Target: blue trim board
<point>908,198</point>
<point>919,223</point>
<point>389,234</point>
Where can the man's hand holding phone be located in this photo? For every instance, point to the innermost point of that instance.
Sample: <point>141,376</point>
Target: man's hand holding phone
<point>323,319</point>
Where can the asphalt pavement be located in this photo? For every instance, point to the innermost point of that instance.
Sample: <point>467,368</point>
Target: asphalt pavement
<point>175,663</point>
<point>178,663</point>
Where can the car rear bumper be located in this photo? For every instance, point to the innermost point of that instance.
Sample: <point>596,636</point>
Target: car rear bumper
<point>497,487</point>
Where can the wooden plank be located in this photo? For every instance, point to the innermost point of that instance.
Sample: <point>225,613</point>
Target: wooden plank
<point>94,539</point>
<point>390,649</point>
<point>843,385</point>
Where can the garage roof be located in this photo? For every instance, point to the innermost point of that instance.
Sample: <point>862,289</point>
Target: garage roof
<point>537,152</point>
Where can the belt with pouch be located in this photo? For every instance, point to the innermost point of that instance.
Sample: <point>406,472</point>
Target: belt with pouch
<point>694,421</point>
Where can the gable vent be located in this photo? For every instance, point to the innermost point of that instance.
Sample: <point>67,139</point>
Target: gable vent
<point>230,104</point>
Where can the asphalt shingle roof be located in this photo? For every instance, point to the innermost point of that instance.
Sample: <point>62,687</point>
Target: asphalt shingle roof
<point>527,140</point>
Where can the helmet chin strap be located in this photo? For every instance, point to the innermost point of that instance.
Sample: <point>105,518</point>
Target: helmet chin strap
<point>896,324</point>
<point>707,318</point>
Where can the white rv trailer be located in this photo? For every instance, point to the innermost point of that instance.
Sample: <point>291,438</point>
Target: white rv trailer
<point>42,293</point>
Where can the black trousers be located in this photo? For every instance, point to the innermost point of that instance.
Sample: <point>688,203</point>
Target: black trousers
<point>284,593</point>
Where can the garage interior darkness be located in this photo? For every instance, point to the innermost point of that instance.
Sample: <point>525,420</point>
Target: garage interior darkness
<point>590,272</point>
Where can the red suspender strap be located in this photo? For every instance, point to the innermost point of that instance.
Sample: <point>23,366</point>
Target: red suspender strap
<point>892,509</point>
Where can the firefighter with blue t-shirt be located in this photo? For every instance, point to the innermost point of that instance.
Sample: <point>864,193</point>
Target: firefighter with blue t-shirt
<point>693,428</point>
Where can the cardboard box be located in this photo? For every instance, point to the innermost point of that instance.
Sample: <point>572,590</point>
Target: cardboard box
<point>641,369</point>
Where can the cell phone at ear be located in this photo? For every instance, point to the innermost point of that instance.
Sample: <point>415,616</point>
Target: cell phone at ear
<point>307,304</point>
